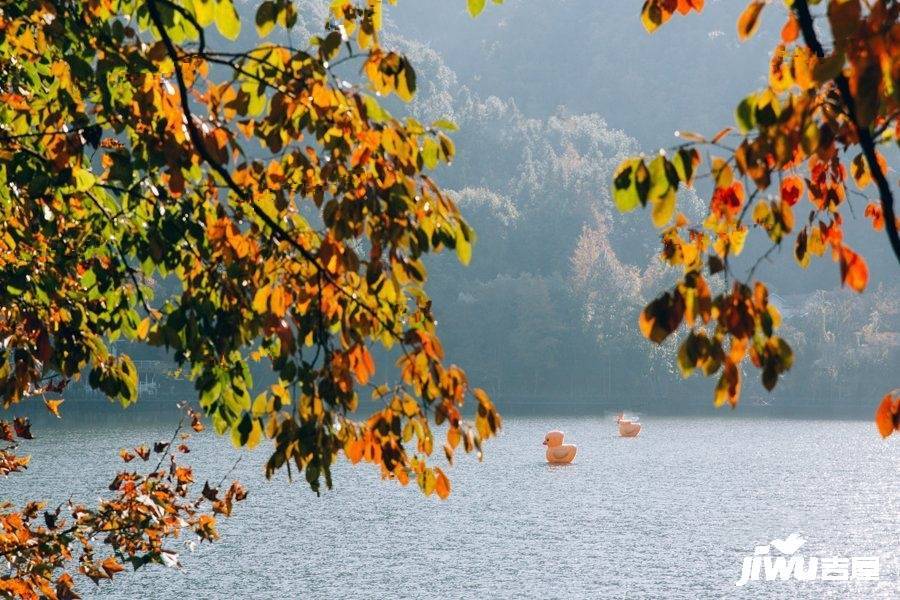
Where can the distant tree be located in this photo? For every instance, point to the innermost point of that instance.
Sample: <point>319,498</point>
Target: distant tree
<point>292,209</point>
<point>827,100</point>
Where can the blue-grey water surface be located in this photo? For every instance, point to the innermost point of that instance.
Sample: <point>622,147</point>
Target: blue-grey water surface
<point>670,514</point>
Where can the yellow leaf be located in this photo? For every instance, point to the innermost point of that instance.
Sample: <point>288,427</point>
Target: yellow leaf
<point>261,299</point>
<point>430,482</point>
<point>722,172</point>
<point>482,397</point>
<point>662,209</point>
<point>737,239</point>
<point>53,406</point>
<point>143,328</point>
<point>227,21</point>
<point>205,12</point>
<point>410,407</point>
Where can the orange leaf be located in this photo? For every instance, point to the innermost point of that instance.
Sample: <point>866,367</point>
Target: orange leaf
<point>748,22</point>
<point>854,271</point>
<point>112,566</point>
<point>874,212</point>
<point>401,474</point>
<point>442,485</point>
<point>126,455</point>
<point>196,423</point>
<point>453,436</point>
<point>278,302</point>
<point>354,450</point>
<point>361,363</point>
<point>887,415</point>
<point>721,134</point>
<point>143,451</point>
<point>790,30</point>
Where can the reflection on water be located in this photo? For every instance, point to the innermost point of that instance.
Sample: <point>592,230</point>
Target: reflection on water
<point>669,514</point>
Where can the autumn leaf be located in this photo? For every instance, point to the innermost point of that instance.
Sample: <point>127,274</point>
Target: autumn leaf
<point>791,190</point>
<point>112,566</point>
<point>143,451</point>
<point>22,426</point>
<point>196,423</point>
<point>790,31</point>
<point>354,450</point>
<point>53,406</point>
<point>874,211</point>
<point>748,22</point>
<point>887,415</point>
<point>854,271</point>
<point>442,484</point>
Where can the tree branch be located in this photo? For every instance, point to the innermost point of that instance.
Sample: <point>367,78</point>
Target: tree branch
<point>866,141</point>
<point>200,146</point>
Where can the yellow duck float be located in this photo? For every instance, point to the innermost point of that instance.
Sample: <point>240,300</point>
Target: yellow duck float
<point>557,452</point>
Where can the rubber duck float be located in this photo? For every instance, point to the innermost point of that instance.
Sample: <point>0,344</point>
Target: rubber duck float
<point>557,452</point>
<point>627,427</point>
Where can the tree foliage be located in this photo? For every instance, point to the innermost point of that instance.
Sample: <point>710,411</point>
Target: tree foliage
<point>291,208</point>
<point>816,126</point>
<point>133,149</point>
<point>43,548</point>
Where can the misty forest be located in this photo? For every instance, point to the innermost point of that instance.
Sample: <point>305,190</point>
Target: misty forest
<point>409,233</point>
<point>559,275</point>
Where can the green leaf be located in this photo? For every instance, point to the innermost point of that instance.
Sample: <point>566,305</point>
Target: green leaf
<point>84,179</point>
<point>745,114</point>
<point>430,153</point>
<point>374,110</point>
<point>463,245</point>
<point>445,125</point>
<point>88,279</point>
<point>227,21</point>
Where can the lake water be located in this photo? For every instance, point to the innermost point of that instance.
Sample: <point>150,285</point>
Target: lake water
<point>670,514</point>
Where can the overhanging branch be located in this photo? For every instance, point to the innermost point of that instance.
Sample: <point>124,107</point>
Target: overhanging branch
<point>866,140</point>
<point>200,146</point>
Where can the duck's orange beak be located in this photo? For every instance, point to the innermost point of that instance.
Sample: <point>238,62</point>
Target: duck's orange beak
<point>544,443</point>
